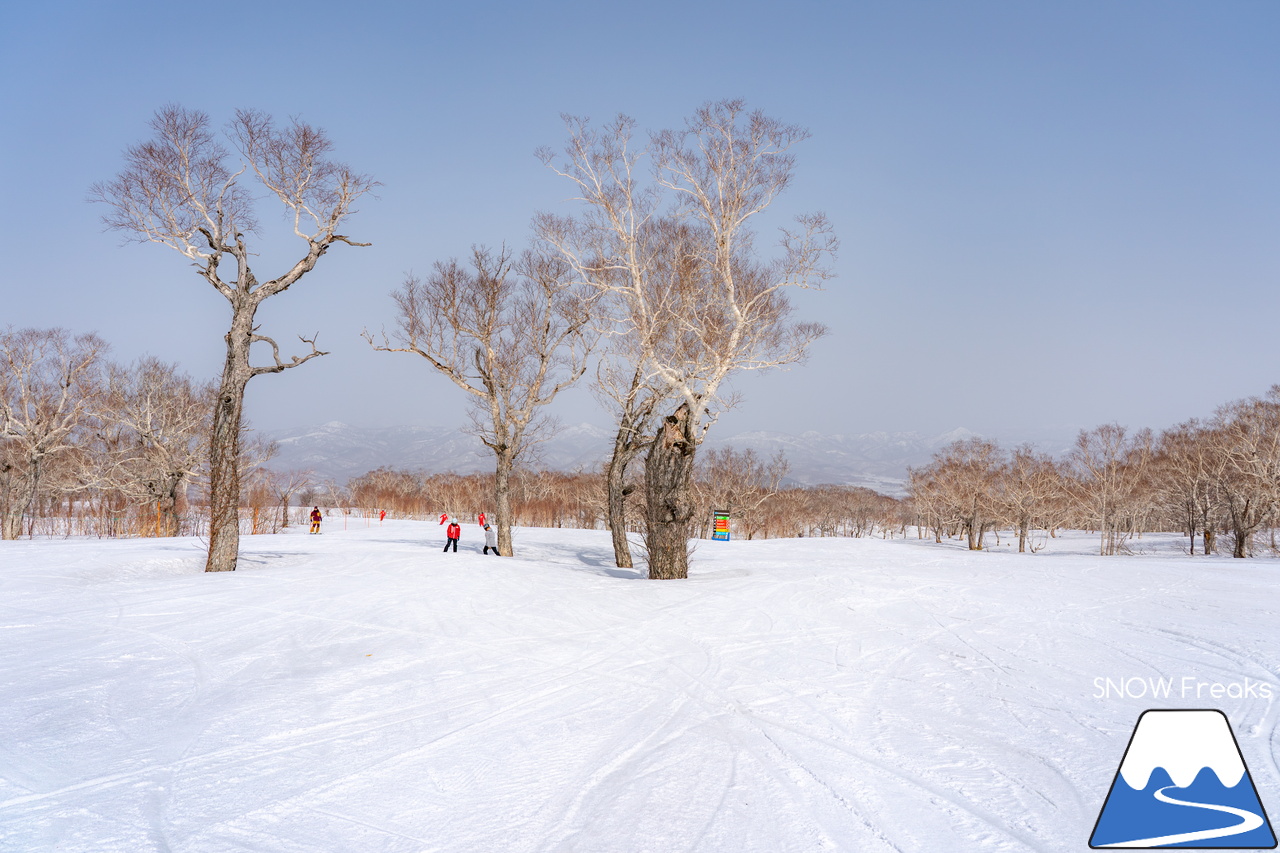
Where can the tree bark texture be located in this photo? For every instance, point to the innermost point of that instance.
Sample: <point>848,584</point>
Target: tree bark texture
<point>170,522</point>
<point>625,449</point>
<point>224,444</point>
<point>668,475</point>
<point>502,502</point>
<point>976,526</point>
<point>21,494</point>
<point>1245,519</point>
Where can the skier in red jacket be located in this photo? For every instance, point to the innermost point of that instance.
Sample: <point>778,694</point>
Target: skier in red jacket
<point>454,532</point>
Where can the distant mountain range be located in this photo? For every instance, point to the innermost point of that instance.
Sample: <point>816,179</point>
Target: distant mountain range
<point>336,451</point>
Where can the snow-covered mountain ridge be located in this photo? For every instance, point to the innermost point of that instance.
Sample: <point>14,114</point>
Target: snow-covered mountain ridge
<point>338,451</point>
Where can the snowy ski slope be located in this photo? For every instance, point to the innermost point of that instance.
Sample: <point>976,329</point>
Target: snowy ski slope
<point>363,691</point>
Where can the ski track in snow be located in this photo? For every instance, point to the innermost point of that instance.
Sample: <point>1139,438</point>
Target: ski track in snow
<point>363,691</point>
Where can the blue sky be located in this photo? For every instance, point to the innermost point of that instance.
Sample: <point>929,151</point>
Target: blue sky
<point>1052,215</point>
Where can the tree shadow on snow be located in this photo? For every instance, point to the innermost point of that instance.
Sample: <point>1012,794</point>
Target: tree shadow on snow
<point>596,560</point>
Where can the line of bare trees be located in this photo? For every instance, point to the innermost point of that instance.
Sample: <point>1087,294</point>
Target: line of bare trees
<point>738,482</point>
<point>1206,478</point>
<point>88,445</point>
<point>92,447</point>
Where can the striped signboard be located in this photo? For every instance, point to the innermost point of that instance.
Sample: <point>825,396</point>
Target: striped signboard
<point>720,530</point>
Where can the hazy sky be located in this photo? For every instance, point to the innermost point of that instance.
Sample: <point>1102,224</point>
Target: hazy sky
<point>1051,214</point>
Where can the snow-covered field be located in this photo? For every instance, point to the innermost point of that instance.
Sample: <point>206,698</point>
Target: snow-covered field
<point>362,691</point>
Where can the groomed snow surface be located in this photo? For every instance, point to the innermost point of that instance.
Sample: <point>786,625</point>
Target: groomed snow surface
<point>363,691</point>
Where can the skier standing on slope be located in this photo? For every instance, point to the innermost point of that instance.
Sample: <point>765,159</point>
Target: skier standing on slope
<point>480,520</point>
<point>491,540</point>
<point>454,532</point>
<point>315,520</point>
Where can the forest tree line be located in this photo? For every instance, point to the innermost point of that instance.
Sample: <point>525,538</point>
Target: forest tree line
<point>751,490</point>
<point>93,447</point>
<point>1216,480</point>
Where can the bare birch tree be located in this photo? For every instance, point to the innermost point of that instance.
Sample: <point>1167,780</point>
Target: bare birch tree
<point>1190,469</point>
<point>675,254</point>
<point>511,336</point>
<point>285,484</point>
<point>738,482</point>
<point>1110,466</point>
<point>967,475</point>
<point>1247,439</point>
<point>183,189</point>
<point>619,244</point>
<point>928,489</point>
<point>1029,486</point>
<point>161,420</point>
<point>50,387</point>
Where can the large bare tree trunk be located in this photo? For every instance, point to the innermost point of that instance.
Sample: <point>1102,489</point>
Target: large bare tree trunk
<point>625,449</point>
<point>1242,531</point>
<point>12,523</point>
<point>616,511</point>
<point>170,523</point>
<point>502,502</point>
<point>20,498</point>
<point>976,527</point>
<point>668,476</point>
<point>224,446</point>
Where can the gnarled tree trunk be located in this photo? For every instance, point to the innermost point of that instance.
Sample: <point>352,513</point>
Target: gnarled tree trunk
<point>167,506</point>
<point>502,502</point>
<point>224,445</point>
<point>20,494</point>
<point>625,449</point>
<point>668,473</point>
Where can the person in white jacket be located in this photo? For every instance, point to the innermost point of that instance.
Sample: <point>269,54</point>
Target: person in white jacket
<point>491,540</point>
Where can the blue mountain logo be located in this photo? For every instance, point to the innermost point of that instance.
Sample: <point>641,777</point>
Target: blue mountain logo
<point>1183,783</point>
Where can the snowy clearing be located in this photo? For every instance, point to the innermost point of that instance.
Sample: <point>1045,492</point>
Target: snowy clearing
<point>363,691</point>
